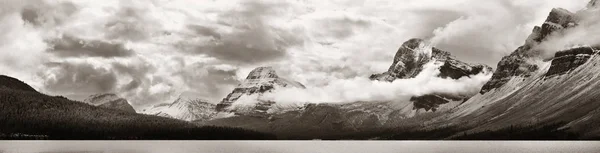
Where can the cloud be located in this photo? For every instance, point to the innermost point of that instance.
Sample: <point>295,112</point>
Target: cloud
<point>362,89</point>
<point>254,39</point>
<point>69,46</point>
<point>493,29</point>
<point>586,33</point>
<point>160,49</point>
<point>206,80</point>
<point>81,77</point>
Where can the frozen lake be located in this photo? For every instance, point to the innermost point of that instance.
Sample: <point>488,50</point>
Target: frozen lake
<point>295,146</point>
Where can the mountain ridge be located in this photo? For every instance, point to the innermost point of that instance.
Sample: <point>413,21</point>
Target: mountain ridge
<point>184,109</point>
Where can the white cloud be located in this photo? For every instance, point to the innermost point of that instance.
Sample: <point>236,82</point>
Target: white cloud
<point>362,89</point>
<point>586,33</point>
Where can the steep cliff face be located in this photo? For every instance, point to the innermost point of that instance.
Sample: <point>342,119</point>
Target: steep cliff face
<point>521,63</point>
<point>568,60</point>
<point>111,101</point>
<point>260,80</point>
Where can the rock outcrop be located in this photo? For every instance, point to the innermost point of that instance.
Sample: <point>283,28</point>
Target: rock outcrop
<point>111,101</point>
<point>520,62</point>
<point>260,80</point>
<point>565,61</point>
<point>185,109</point>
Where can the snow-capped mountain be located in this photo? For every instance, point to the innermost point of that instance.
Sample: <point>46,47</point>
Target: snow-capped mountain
<point>244,98</point>
<point>409,61</point>
<point>327,118</point>
<point>414,53</point>
<point>111,101</point>
<point>184,109</point>
<point>528,90</point>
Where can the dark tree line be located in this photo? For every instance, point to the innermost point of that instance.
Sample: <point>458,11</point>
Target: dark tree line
<point>32,115</point>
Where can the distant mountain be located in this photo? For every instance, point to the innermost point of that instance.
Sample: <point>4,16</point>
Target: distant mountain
<point>111,101</point>
<point>185,109</point>
<point>7,82</point>
<point>27,114</point>
<point>259,81</point>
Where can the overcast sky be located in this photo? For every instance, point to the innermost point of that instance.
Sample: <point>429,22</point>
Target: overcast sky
<point>151,51</point>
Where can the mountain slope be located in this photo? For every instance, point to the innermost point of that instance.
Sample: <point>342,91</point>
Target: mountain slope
<point>523,61</point>
<point>7,82</point>
<point>29,114</point>
<point>409,61</point>
<point>185,109</point>
<point>332,120</point>
<point>244,97</point>
<point>111,101</point>
<point>563,92</point>
<point>530,91</point>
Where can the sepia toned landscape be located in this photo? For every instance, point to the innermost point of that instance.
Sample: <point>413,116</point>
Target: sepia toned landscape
<point>299,70</point>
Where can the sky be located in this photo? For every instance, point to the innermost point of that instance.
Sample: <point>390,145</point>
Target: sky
<point>152,51</point>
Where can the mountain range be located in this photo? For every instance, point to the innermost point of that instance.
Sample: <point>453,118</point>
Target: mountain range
<point>529,96</point>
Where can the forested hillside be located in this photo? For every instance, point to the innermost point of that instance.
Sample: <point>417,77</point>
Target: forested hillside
<point>27,114</point>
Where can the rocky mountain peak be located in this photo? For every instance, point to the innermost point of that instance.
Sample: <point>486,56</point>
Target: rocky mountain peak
<point>258,81</point>
<point>409,61</point>
<point>415,53</point>
<point>262,73</point>
<point>110,100</point>
<point>557,19</point>
<point>518,63</point>
<point>184,108</point>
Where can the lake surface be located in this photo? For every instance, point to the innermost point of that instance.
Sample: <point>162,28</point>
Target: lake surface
<point>296,146</point>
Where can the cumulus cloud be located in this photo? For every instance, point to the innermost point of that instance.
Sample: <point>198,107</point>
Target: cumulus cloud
<point>70,46</point>
<point>159,49</point>
<point>82,77</point>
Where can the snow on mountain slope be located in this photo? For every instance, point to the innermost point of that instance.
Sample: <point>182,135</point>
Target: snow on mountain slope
<point>529,89</point>
<point>415,61</point>
<point>184,109</point>
<point>245,97</point>
<point>111,101</point>
<point>410,60</point>
<point>570,97</point>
